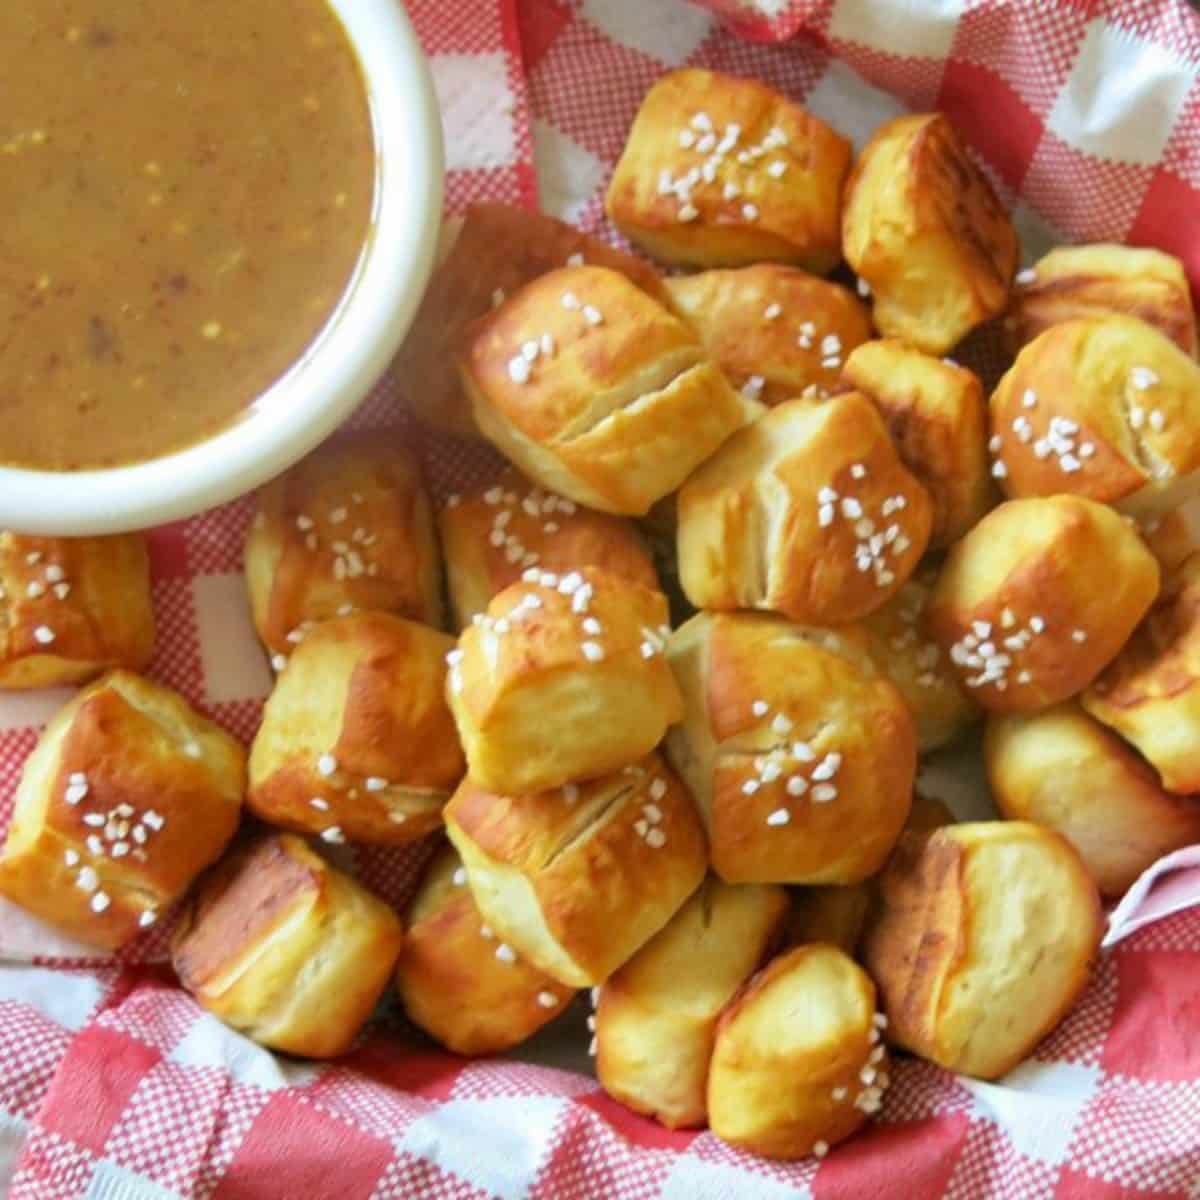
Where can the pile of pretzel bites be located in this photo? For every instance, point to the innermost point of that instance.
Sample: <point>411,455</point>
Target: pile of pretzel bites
<point>759,546</point>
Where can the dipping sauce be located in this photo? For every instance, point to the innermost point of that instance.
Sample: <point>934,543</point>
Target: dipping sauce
<point>185,191</point>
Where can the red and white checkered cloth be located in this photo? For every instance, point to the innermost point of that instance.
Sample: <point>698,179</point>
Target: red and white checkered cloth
<point>115,1086</point>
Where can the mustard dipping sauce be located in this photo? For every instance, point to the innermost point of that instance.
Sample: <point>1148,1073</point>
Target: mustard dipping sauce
<point>185,192</point>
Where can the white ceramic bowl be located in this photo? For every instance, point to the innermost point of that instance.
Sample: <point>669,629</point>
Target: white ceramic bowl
<point>340,367</point>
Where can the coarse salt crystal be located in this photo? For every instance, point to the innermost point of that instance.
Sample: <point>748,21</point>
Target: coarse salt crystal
<point>780,816</point>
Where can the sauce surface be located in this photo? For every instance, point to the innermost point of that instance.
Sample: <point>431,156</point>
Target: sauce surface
<point>185,191</point>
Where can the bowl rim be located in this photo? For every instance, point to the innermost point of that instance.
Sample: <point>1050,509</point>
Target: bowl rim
<point>338,369</point>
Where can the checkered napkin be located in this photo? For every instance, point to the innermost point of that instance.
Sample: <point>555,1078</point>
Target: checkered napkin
<point>115,1086</point>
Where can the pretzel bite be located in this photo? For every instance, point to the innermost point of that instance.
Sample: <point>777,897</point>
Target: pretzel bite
<point>656,1017</point>
<point>935,413</point>
<point>808,512</point>
<point>356,740</point>
<point>982,942</point>
<point>832,913</point>
<point>286,949</point>
<point>349,527</point>
<point>1150,694</point>
<point>127,796</point>
<point>776,332</point>
<point>923,227</point>
<point>800,755</point>
<point>928,681</point>
<point>493,533</point>
<point>799,1063</point>
<point>1038,598</point>
<point>577,879</point>
<point>597,392</point>
<point>498,249</point>
<point>1173,537</point>
<point>562,679</point>
<point>1106,408</point>
<point>1064,770</point>
<point>72,607</point>
<point>460,985</point>
<point>723,172</point>
<point>1092,281</point>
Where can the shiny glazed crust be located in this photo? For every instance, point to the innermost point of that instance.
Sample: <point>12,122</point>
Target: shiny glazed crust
<point>800,755</point>
<point>1104,407</point>
<point>596,391</point>
<point>562,679</point>
<point>497,250</point>
<point>936,415</point>
<point>577,879</point>
<point>721,200</point>
<point>1062,769</point>
<point>286,949</point>
<point>1091,281</point>
<point>453,978</point>
<point>798,1061</point>
<point>72,607</point>
<point>778,333</point>
<point>349,527</point>
<point>982,943</point>
<point>657,1016</point>
<point>923,227</point>
<point>1150,694</point>
<point>356,740</point>
<point>785,516</point>
<point>493,533</point>
<point>127,796</point>
<point>1052,587</point>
